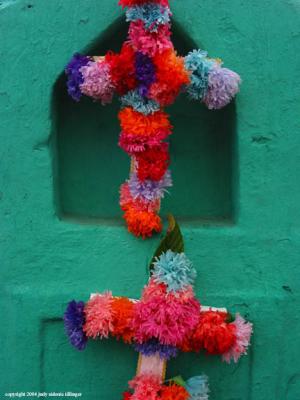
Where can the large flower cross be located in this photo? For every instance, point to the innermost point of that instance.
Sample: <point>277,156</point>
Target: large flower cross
<point>167,319</point>
<point>148,75</point>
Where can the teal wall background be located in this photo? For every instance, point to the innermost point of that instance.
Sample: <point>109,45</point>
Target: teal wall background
<point>245,246</point>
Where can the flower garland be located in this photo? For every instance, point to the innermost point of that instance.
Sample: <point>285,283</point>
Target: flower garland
<point>148,75</point>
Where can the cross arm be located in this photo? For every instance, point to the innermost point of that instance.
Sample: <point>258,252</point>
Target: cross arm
<point>104,316</point>
<point>210,82</point>
<point>99,77</point>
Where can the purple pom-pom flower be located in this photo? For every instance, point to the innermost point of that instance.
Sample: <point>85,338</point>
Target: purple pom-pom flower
<point>223,85</point>
<point>75,78</point>
<point>149,190</point>
<point>152,347</point>
<point>145,72</point>
<point>74,320</point>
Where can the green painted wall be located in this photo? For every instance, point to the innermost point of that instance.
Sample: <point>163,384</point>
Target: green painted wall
<point>244,240</point>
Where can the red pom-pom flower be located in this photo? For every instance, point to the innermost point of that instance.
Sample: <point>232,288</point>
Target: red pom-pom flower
<point>122,69</point>
<point>153,163</point>
<point>174,392</point>
<point>213,333</point>
<point>127,396</point>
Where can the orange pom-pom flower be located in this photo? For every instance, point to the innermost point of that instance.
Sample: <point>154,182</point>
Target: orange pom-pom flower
<point>122,316</point>
<point>135,123</point>
<point>142,223</point>
<point>171,76</point>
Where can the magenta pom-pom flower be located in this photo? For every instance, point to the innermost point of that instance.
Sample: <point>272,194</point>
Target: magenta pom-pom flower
<point>149,43</point>
<point>168,317</point>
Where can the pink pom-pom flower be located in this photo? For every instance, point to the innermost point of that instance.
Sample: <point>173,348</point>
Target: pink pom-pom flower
<point>148,42</point>
<point>145,386</point>
<point>125,195</point>
<point>243,331</point>
<point>98,316</point>
<point>97,81</point>
<point>154,289</point>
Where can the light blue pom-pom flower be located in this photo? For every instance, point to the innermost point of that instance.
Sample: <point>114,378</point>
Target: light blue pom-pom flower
<point>174,270</point>
<point>139,103</point>
<point>198,63</point>
<point>151,14</point>
<point>198,387</point>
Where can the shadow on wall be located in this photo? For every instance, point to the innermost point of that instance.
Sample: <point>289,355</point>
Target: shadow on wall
<point>89,166</point>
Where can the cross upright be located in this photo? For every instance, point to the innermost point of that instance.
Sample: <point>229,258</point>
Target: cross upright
<point>148,75</point>
<point>167,319</point>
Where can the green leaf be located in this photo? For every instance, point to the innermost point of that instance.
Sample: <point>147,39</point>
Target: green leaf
<point>230,318</point>
<point>172,241</point>
<point>178,380</point>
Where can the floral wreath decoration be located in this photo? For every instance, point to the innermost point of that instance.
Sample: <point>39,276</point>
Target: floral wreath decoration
<point>167,319</point>
<point>148,75</point>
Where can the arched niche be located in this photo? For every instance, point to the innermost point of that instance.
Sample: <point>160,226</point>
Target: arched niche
<point>89,165</point>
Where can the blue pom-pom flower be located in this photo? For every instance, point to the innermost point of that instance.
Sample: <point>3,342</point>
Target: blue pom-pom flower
<point>175,270</point>
<point>198,63</point>
<point>198,387</point>
<point>139,103</point>
<point>74,320</point>
<point>153,346</point>
<point>151,14</point>
<point>75,78</point>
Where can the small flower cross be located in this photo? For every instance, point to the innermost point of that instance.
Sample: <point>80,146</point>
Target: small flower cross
<point>148,75</point>
<point>167,319</point>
